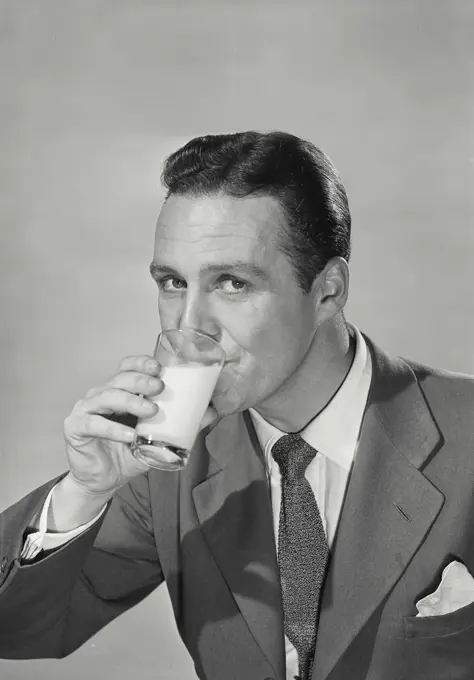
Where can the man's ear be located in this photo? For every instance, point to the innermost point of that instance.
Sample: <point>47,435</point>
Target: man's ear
<point>330,289</point>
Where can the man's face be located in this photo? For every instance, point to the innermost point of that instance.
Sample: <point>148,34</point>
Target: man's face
<point>219,271</point>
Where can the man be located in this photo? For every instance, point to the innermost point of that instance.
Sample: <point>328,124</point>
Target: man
<point>323,527</point>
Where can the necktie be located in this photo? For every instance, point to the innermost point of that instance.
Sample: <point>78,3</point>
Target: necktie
<point>303,550</point>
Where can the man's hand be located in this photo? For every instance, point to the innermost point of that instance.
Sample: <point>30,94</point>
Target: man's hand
<point>98,449</point>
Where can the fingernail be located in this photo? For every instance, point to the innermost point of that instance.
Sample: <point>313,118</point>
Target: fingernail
<point>148,404</point>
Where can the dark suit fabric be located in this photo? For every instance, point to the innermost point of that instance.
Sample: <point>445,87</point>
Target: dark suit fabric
<point>408,512</point>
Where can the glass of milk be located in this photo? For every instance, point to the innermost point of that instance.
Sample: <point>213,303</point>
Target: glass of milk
<point>190,366</point>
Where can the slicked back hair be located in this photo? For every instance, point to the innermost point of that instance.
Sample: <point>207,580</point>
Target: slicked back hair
<point>293,171</point>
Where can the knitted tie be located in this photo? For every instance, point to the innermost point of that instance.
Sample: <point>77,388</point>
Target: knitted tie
<point>303,550</point>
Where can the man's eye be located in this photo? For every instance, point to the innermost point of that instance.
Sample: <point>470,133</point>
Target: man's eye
<point>236,286</point>
<point>176,283</point>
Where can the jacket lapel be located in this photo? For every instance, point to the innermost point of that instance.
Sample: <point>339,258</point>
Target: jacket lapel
<point>389,507</point>
<point>233,506</point>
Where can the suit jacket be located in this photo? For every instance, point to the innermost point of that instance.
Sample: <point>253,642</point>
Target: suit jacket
<point>207,530</point>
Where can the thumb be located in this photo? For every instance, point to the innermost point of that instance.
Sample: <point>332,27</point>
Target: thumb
<point>210,417</point>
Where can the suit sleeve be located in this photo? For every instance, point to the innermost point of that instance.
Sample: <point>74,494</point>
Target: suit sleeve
<point>50,607</point>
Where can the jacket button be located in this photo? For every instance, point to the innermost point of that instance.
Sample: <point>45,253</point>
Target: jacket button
<point>3,564</point>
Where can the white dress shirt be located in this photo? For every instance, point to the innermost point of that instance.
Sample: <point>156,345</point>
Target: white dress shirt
<point>43,540</point>
<point>334,433</point>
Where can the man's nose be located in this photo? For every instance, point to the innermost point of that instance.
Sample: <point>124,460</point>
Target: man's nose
<point>196,316</point>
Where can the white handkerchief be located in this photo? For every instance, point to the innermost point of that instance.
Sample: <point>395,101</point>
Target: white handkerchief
<point>456,590</point>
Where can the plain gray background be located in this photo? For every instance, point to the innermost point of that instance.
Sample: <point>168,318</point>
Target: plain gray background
<point>94,94</point>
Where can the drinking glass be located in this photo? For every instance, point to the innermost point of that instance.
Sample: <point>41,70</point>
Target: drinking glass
<point>190,364</point>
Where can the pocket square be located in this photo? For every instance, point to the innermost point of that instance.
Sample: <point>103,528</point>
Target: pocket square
<point>456,590</point>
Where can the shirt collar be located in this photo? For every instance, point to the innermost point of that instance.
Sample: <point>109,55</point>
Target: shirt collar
<point>334,432</point>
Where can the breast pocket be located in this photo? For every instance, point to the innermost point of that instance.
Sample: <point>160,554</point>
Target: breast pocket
<point>438,626</point>
<point>439,647</point>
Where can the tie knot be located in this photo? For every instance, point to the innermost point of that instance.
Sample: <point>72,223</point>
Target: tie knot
<point>293,455</point>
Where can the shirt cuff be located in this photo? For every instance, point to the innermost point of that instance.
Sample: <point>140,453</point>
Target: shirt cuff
<point>41,540</point>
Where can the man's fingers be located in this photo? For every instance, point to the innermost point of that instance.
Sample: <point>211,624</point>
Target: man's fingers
<point>93,391</point>
<point>137,383</point>
<point>113,400</point>
<point>94,426</point>
<point>142,364</point>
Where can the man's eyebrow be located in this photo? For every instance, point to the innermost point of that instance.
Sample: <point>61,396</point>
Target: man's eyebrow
<point>238,266</point>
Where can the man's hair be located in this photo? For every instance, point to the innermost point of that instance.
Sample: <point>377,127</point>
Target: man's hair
<point>293,171</point>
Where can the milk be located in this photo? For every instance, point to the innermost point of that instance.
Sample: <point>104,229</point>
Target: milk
<point>181,405</point>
